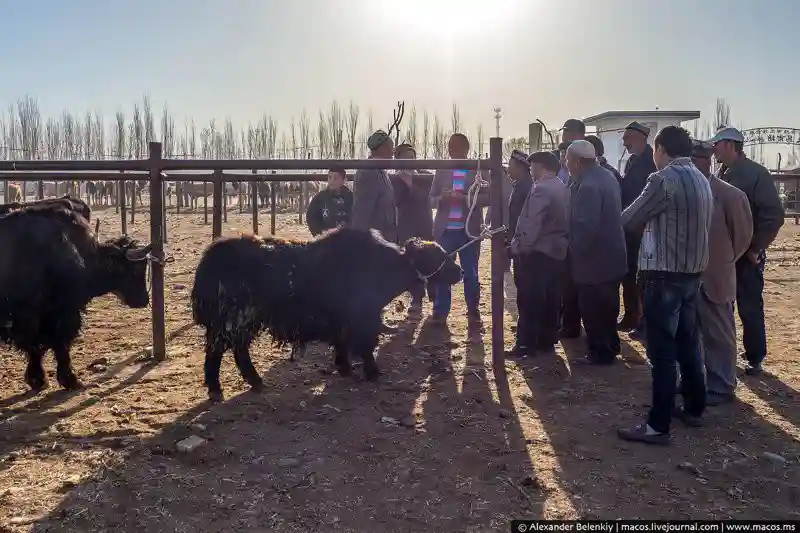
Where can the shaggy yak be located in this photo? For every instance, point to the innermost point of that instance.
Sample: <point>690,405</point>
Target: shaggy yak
<point>51,266</point>
<point>67,202</point>
<point>331,289</point>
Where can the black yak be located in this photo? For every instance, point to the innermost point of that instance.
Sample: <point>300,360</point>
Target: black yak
<point>67,202</point>
<point>51,266</point>
<point>331,290</point>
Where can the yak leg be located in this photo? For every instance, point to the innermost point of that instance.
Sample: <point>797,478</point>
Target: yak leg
<point>364,344</point>
<point>241,354</point>
<point>34,372</point>
<point>64,374</point>
<point>214,351</point>
<point>342,358</point>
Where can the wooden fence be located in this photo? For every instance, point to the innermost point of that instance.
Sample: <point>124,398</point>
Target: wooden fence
<point>158,170</point>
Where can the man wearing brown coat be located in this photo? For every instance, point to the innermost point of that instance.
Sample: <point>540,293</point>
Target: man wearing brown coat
<point>728,239</point>
<point>373,196</point>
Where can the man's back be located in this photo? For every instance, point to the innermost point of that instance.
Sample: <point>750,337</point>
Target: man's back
<point>596,240</point>
<point>675,209</point>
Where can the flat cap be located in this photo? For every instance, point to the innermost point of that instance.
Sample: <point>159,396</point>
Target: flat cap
<point>582,149</point>
<point>702,149</point>
<point>641,128</point>
<point>727,134</point>
<point>547,159</point>
<point>377,139</point>
<point>520,157</point>
<point>574,124</point>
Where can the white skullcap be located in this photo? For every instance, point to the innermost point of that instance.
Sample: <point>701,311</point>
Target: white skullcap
<point>582,149</point>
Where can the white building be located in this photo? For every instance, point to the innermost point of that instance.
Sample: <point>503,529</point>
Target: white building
<point>610,126</point>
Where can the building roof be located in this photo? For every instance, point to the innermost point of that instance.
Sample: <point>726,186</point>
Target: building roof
<point>654,113</point>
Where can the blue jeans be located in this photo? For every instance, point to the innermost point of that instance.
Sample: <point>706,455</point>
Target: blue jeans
<point>468,258</point>
<point>670,304</point>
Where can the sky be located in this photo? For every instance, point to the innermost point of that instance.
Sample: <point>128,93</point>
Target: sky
<point>543,59</point>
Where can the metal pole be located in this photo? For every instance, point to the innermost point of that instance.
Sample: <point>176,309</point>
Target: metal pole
<point>157,241</point>
<point>122,208</point>
<point>216,222</point>
<point>254,202</point>
<point>498,254</point>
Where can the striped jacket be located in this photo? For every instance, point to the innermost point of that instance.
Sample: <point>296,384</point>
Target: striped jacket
<point>675,210</point>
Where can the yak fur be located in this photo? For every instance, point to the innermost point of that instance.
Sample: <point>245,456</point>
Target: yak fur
<point>331,290</point>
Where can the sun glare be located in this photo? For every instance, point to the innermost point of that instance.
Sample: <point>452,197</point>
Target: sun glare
<point>449,17</point>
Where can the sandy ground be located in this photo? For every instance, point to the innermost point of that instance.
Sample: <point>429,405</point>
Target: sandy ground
<point>438,445</point>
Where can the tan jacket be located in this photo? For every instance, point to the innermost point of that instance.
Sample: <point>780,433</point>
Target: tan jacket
<point>728,239</point>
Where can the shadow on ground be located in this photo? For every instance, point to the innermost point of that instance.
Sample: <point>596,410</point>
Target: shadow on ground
<point>428,449</point>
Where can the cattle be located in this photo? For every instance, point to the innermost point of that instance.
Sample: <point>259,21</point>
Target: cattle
<point>69,203</point>
<point>57,188</point>
<point>247,285</point>
<point>52,266</point>
<point>193,190</point>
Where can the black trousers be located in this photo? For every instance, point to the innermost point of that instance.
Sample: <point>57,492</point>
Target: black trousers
<point>631,289</point>
<point>599,307</point>
<point>536,276</point>
<point>750,303</point>
<point>570,310</point>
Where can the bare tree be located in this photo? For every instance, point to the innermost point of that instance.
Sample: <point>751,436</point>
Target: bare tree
<point>119,135</point>
<point>322,136</point>
<point>149,124</point>
<point>352,128</point>
<point>293,133</point>
<point>411,130</point>
<point>99,135</point>
<point>370,124</point>
<point>336,127</point>
<point>438,139</point>
<point>167,133</point>
<point>30,123</point>
<point>455,119</point>
<point>426,141</point>
<point>722,114</point>
<point>137,134</point>
<point>52,136</point>
<point>305,133</point>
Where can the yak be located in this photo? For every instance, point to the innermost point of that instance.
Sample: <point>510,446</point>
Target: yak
<point>331,289</point>
<point>67,202</point>
<point>51,267</point>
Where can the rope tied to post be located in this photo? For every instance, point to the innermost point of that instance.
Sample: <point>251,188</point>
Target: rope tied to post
<point>153,259</point>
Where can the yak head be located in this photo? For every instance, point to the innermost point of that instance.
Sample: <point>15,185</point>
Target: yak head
<point>431,263</point>
<point>124,270</point>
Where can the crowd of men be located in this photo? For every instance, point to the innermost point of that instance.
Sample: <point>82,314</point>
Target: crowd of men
<point>684,244</point>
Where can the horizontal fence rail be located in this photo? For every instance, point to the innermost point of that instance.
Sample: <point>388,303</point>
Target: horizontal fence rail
<point>145,165</point>
<point>156,171</point>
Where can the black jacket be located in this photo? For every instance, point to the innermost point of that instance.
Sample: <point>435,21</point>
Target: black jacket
<point>637,169</point>
<point>329,209</point>
<point>521,189</point>
<point>414,215</point>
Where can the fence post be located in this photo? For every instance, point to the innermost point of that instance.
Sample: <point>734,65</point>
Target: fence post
<point>123,211</point>
<point>5,192</point>
<point>498,254</point>
<point>254,202</point>
<point>224,202</point>
<point>205,202</point>
<point>216,226</point>
<point>163,206</point>
<point>133,203</point>
<point>157,241</point>
<point>272,208</point>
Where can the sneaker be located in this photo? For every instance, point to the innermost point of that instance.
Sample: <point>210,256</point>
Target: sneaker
<point>752,369</point>
<point>689,420</point>
<point>517,352</point>
<point>642,433</point>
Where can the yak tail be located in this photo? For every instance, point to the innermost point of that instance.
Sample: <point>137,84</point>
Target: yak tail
<point>205,304</point>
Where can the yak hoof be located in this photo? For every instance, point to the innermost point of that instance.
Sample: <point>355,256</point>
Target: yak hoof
<point>70,382</point>
<point>36,383</point>
<point>345,370</point>
<point>256,386</point>
<point>216,396</point>
<point>372,374</point>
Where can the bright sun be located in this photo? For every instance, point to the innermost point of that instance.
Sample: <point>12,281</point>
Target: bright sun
<point>450,17</point>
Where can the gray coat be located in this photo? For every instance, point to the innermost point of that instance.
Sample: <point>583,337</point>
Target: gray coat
<point>373,203</point>
<point>596,238</point>
<point>443,179</point>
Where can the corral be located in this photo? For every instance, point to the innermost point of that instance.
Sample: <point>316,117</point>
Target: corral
<point>438,445</point>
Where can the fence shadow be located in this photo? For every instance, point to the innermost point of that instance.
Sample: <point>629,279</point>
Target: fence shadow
<point>714,472</point>
<point>781,397</point>
<point>414,452</point>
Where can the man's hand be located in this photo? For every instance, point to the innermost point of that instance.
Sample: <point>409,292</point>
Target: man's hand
<point>752,256</point>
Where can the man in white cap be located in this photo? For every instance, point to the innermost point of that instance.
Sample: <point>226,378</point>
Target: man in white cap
<point>596,250</point>
<point>768,217</point>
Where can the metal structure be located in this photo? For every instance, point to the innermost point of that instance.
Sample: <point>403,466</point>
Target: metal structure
<point>156,168</point>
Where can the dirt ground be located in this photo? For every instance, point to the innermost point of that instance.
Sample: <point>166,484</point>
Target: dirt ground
<point>437,446</point>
